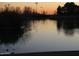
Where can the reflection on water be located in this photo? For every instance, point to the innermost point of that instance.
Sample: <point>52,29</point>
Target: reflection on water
<point>40,36</point>
<point>10,34</point>
<point>68,25</point>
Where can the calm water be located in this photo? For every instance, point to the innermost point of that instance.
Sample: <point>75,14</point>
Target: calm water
<point>43,36</point>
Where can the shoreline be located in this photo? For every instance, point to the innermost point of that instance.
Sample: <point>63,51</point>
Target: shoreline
<point>55,53</point>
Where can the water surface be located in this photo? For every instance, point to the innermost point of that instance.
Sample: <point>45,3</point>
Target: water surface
<point>42,36</point>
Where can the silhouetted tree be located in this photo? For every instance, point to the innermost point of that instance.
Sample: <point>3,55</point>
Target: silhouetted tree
<point>18,9</point>
<point>59,10</point>
<point>68,8</point>
<point>69,4</point>
<point>44,13</point>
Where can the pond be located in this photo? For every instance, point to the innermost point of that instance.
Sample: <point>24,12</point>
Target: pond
<point>43,36</point>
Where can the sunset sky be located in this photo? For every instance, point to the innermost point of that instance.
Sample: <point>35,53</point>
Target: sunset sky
<point>49,7</point>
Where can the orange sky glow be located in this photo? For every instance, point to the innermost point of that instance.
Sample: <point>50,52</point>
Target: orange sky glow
<point>48,7</point>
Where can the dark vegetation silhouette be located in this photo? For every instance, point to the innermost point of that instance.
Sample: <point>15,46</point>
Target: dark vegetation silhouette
<point>68,18</point>
<point>69,8</point>
<point>12,24</point>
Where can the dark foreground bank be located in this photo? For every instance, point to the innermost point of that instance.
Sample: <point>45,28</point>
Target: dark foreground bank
<point>57,53</point>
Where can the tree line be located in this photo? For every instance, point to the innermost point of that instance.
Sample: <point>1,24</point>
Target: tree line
<point>68,8</point>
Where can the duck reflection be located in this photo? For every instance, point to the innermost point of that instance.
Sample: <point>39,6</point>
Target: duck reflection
<point>68,24</point>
